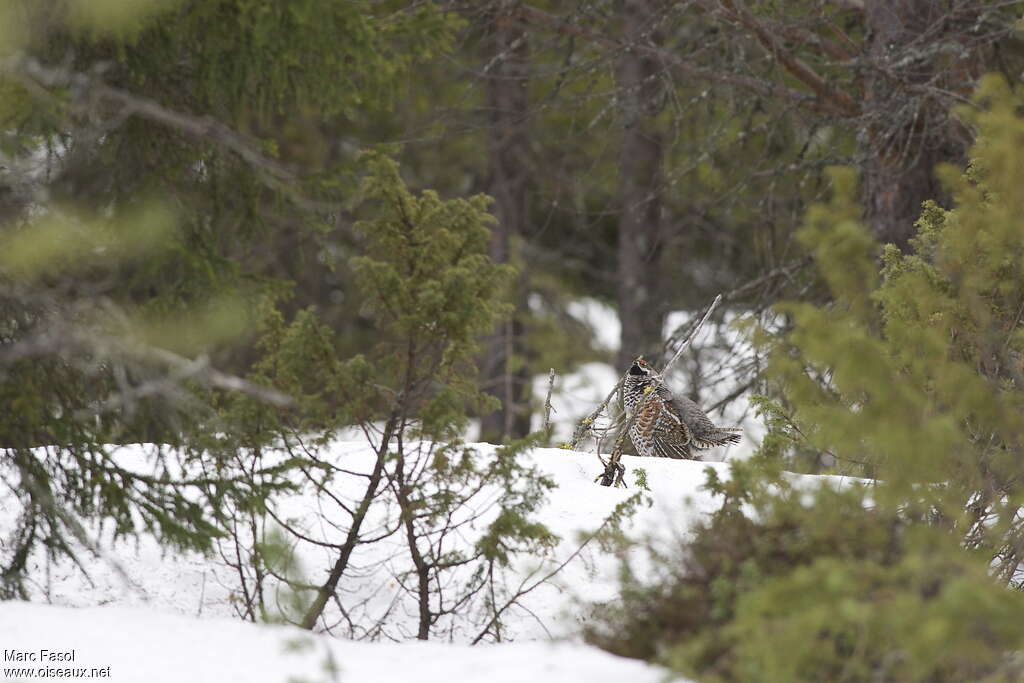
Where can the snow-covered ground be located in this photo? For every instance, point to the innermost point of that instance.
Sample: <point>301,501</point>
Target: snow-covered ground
<point>140,573</point>
<point>154,616</point>
<point>133,645</point>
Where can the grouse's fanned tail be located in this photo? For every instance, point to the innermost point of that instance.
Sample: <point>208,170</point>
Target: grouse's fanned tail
<point>721,436</point>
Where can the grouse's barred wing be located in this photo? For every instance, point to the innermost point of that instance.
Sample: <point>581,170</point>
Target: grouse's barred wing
<point>692,414</point>
<point>671,436</point>
<point>660,441</point>
<point>664,448</point>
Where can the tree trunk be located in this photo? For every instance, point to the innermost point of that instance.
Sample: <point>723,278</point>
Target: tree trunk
<point>905,132</point>
<point>641,309</point>
<point>504,370</point>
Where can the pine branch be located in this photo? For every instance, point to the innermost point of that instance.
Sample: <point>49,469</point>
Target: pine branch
<point>829,97</point>
<point>564,25</point>
<point>89,93</point>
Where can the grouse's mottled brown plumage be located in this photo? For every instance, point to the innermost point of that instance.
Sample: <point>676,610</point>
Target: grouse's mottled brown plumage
<point>668,426</point>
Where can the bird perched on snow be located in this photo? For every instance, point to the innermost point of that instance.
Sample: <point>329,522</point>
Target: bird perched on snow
<point>667,426</point>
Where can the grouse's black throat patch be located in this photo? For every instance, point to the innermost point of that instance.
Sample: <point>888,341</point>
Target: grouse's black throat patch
<point>637,370</point>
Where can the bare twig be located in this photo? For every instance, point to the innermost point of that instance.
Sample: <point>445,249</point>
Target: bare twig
<point>546,426</point>
<point>686,344</point>
<point>525,587</point>
<point>586,425</point>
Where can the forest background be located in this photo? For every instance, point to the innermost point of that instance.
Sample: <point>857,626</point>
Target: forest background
<point>212,219</point>
<point>648,155</point>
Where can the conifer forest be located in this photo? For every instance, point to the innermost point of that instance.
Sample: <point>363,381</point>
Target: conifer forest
<point>602,340</point>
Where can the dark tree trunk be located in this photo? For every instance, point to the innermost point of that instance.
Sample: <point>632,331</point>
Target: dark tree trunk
<point>641,307</point>
<point>504,370</point>
<point>906,132</point>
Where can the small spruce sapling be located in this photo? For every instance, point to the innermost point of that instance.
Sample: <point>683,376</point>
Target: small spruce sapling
<point>431,293</point>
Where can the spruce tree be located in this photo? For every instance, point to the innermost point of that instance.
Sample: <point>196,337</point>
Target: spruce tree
<point>431,293</point>
<point>150,150</point>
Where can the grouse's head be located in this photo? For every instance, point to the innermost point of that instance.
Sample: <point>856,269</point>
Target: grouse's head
<point>640,367</point>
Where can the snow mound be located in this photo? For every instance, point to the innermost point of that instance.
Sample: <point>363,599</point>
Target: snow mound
<point>142,573</point>
<point>133,645</point>
<point>152,615</point>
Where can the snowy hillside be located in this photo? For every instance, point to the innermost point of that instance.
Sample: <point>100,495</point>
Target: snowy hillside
<point>131,645</point>
<point>140,573</point>
<point>148,594</point>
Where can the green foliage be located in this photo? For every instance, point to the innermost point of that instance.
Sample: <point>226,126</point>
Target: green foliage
<point>934,615</point>
<point>918,378</point>
<point>286,78</point>
<point>611,536</point>
<point>335,57</point>
<point>427,280</point>
<point>523,491</point>
<point>121,19</point>
<point>783,584</point>
<point>430,293</point>
<point>101,284</point>
<point>910,375</point>
<point>641,478</point>
<point>78,377</point>
<point>278,556</point>
<point>301,359</point>
<point>62,241</point>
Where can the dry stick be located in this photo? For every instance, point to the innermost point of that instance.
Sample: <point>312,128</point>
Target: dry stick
<point>586,423</point>
<point>546,427</point>
<point>686,344</point>
<point>614,471</point>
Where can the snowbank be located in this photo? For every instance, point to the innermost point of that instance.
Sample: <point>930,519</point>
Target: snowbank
<point>140,573</point>
<point>171,616</point>
<point>135,645</point>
